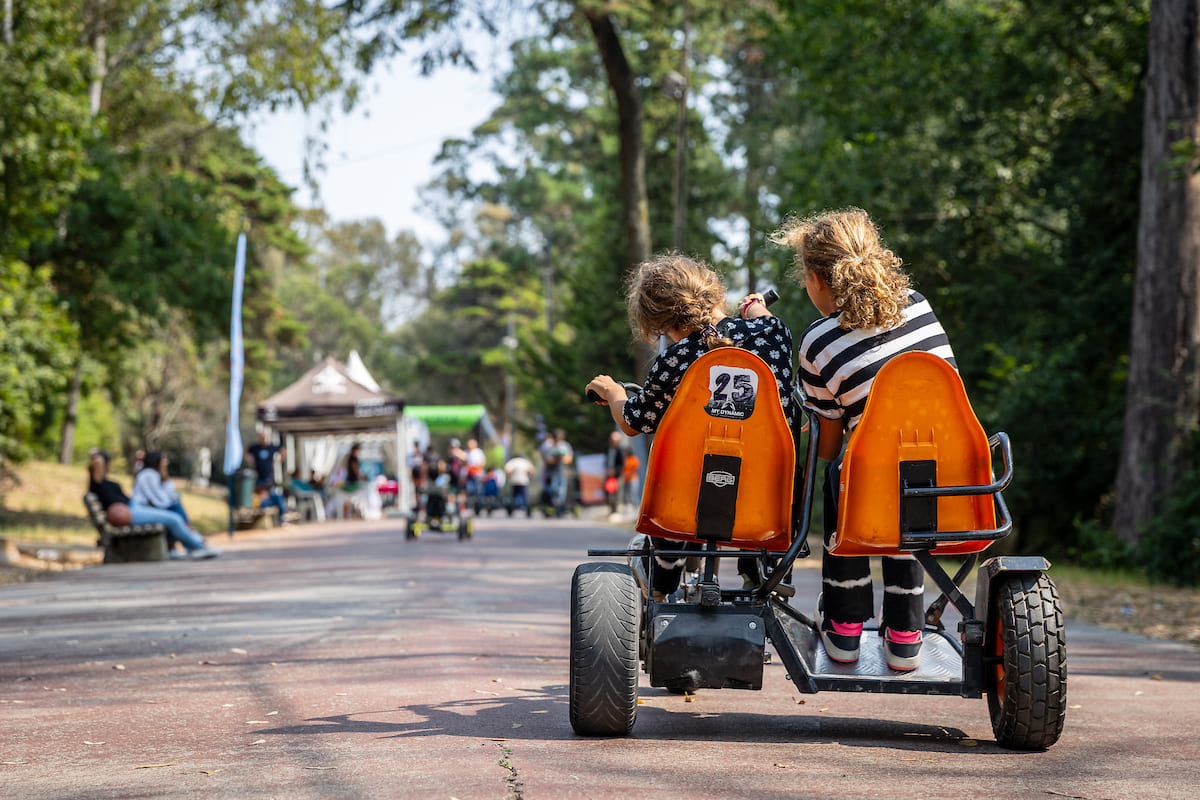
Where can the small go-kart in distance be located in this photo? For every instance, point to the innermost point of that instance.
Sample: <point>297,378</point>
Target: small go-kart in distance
<point>437,514</point>
<point>916,477</point>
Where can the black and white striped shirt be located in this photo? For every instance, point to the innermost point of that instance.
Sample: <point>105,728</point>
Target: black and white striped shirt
<point>838,366</point>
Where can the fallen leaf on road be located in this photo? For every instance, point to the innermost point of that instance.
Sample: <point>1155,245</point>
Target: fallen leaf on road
<point>516,724</point>
<point>13,763</point>
<point>1138,694</point>
<point>1075,706</point>
<point>154,766</point>
<point>237,650</point>
<point>1156,677</point>
<point>259,741</point>
<point>86,742</point>
<point>497,680</point>
<point>153,702</point>
<point>118,666</point>
<point>968,742</point>
<point>340,694</point>
<point>256,722</point>
<point>272,713</point>
<point>784,766</point>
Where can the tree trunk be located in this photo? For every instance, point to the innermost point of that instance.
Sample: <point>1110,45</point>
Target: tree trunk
<point>635,203</point>
<point>66,446</point>
<point>1163,390</point>
<point>679,227</point>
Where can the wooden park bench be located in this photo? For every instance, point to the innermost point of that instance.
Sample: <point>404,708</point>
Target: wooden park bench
<point>254,517</point>
<point>128,542</point>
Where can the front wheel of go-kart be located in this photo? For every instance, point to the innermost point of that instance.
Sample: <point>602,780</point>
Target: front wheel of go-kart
<point>466,529</point>
<point>605,616</point>
<point>412,530</point>
<point>1027,674</point>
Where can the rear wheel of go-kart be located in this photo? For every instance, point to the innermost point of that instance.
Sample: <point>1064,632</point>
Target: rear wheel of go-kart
<point>412,530</point>
<point>605,615</point>
<point>1027,675</point>
<point>466,529</point>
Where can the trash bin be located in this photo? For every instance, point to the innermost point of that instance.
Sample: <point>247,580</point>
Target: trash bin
<point>243,484</point>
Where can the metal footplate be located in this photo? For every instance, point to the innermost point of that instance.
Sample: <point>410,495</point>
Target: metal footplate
<point>802,653</point>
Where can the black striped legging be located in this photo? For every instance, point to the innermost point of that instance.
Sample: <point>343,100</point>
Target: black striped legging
<point>846,580</point>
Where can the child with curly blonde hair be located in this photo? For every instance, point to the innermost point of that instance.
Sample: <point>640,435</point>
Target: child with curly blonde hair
<point>683,299</point>
<point>869,313</point>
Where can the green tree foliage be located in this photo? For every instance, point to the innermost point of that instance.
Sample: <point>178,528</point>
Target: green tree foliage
<point>349,291</point>
<point>997,144</point>
<point>44,124</point>
<point>553,212</point>
<point>35,339</point>
<point>456,351</point>
<point>123,176</point>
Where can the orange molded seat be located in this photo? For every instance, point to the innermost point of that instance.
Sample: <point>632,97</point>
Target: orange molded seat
<point>723,462</point>
<point>918,416</point>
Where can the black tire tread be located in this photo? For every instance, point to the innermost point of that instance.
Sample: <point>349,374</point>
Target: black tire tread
<point>605,616</point>
<point>1032,710</point>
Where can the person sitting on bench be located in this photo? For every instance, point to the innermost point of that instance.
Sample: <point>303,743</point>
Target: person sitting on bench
<point>110,494</point>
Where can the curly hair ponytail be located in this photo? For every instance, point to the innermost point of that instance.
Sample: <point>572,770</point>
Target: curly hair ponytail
<point>844,248</point>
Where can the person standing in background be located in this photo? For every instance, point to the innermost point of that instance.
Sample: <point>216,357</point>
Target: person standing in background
<point>614,463</point>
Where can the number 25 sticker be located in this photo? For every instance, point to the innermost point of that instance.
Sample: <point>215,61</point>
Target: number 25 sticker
<point>731,392</point>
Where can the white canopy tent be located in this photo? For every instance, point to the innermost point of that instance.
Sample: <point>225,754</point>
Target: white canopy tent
<point>327,409</point>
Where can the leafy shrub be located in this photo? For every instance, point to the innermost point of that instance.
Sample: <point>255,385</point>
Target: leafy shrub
<point>1169,547</point>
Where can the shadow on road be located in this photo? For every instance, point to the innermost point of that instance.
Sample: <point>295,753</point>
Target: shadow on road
<point>541,715</point>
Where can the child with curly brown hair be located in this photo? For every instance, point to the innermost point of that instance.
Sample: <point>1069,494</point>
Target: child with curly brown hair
<point>869,313</point>
<point>683,299</point>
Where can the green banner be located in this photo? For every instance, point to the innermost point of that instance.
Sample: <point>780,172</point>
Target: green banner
<point>450,419</point>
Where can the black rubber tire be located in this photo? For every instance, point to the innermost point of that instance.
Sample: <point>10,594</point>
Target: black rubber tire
<point>410,531</point>
<point>605,617</point>
<point>1027,683</point>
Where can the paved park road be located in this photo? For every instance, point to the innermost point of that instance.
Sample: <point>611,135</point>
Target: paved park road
<point>339,661</point>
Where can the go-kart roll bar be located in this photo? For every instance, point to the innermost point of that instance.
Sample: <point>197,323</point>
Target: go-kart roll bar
<point>802,521</point>
<point>925,539</point>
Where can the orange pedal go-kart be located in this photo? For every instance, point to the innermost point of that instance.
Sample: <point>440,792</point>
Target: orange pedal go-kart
<point>916,477</point>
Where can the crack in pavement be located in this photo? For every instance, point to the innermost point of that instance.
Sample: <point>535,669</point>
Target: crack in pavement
<point>512,783</point>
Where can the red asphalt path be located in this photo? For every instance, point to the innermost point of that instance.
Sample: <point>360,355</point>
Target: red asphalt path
<point>340,661</point>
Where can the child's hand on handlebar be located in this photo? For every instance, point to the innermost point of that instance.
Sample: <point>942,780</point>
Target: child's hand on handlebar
<point>604,390</point>
<point>755,304</point>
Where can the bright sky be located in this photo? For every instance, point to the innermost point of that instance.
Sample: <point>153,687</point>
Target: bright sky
<point>383,151</point>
